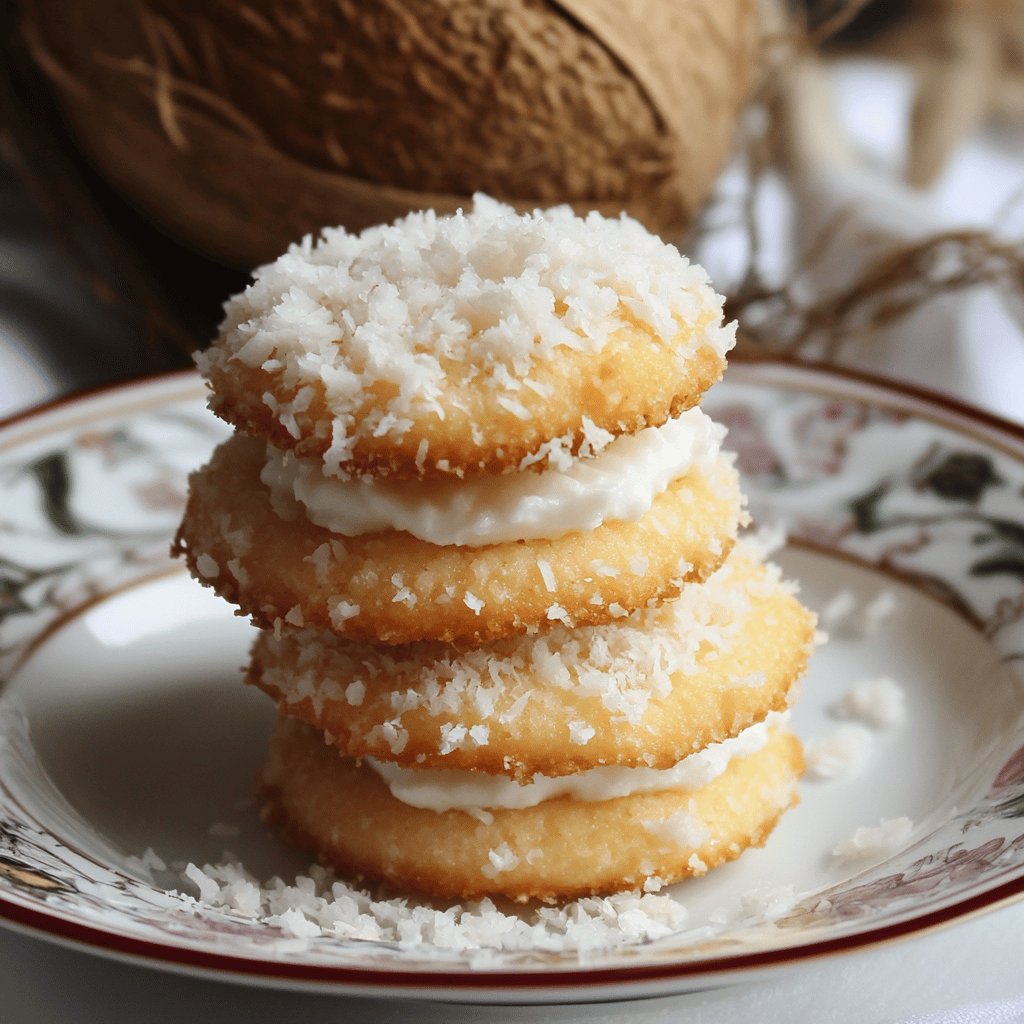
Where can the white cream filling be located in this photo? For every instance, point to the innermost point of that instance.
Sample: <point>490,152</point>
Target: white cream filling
<point>618,484</point>
<point>445,789</point>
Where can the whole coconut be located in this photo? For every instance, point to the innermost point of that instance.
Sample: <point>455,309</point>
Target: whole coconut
<point>239,125</point>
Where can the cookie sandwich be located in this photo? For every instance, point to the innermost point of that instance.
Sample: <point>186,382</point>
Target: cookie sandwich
<point>491,543</point>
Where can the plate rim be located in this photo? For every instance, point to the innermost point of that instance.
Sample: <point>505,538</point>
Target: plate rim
<point>599,981</point>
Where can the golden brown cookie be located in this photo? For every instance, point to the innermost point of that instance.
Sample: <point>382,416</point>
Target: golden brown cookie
<point>558,849</point>
<point>393,588</point>
<point>646,690</point>
<point>464,344</point>
<point>477,435</point>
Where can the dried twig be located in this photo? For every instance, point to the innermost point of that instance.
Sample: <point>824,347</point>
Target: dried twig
<point>891,287</point>
<point>887,278</point>
<point>968,59</point>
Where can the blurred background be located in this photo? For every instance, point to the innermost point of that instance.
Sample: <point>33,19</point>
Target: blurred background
<point>850,172</point>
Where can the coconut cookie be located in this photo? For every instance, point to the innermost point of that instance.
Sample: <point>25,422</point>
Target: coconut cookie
<point>483,342</point>
<point>549,845</point>
<point>391,587</point>
<point>644,691</point>
<point>492,542</point>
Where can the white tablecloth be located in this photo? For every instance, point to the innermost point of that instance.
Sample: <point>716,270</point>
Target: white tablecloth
<point>54,338</point>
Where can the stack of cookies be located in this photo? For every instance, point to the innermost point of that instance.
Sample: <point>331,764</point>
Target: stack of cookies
<point>491,543</point>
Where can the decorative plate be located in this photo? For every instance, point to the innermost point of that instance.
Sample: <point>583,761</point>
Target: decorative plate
<point>129,747</point>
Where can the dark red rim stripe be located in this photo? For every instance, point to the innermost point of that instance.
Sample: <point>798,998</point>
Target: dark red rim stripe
<point>156,953</point>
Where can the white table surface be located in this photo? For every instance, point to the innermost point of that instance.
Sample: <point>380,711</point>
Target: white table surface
<point>973,971</point>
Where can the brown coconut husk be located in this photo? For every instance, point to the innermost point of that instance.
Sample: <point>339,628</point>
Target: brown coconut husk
<point>208,120</point>
<point>175,295</point>
<point>168,297</point>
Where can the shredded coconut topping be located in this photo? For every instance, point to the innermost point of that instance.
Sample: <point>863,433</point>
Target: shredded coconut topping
<point>880,703</point>
<point>682,830</point>
<point>875,842</point>
<point>207,567</point>
<point>319,905</point>
<point>840,754</point>
<point>397,307</point>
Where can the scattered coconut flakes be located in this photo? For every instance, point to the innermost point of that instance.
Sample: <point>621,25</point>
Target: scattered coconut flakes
<point>839,754</point>
<point>355,693</point>
<point>838,609</point>
<point>239,540</point>
<point>595,438</point>
<point>320,558</point>
<point>638,565</point>
<point>394,734</point>
<point>500,859</point>
<point>556,454</point>
<point>454,736</point>
<point>696,864</point>
<point>147,863</point>
<point>341,611</point>
<point>751,681</point>
<point>547,575</point>
<point>320,905</point>
<point>768,902</point>
<point>540,388</point>
<point>881,703</point>
<point>841,613</point>
<point>421,454</point>
<point>556,613</point>
<point>681,830</point>
<point>472,602</point>
<point>516,408</point>
<point>877,611</point>
<point>209,889</point>
<point>294,617</point>
<point>581,732</point>
<point>481,814</point>
<point>296,923</point>
<point>238,571</point>
<point>875,842</point>
<point>207,566</point>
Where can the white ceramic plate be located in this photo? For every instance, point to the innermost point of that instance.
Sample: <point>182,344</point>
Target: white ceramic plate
<point>123,726</point>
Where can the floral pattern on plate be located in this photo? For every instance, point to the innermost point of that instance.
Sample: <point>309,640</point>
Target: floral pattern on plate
<point>854,469</point>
